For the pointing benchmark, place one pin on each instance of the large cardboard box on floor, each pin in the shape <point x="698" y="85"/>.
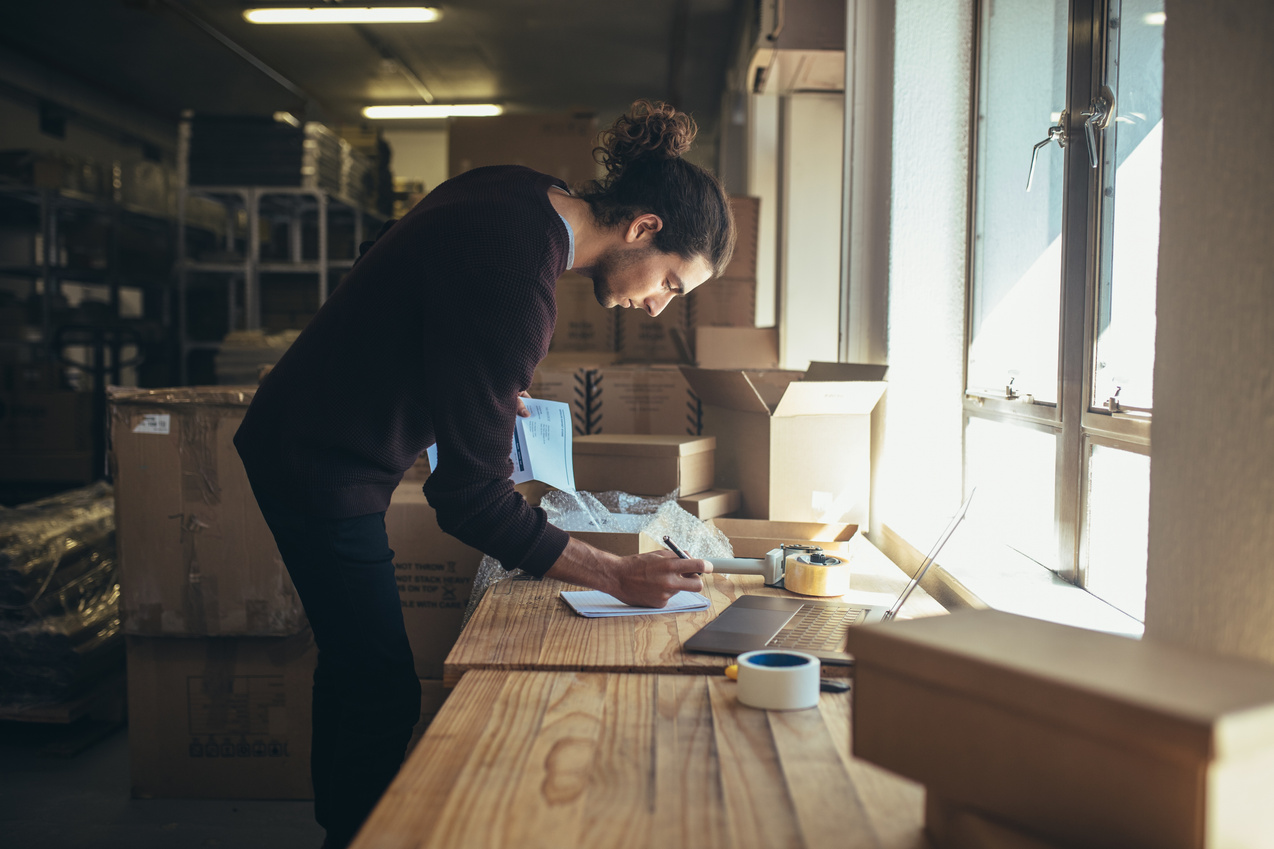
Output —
<point x="229" y="717"/>
<point x="607" y="398"/>
<point x="798" y="450"/>
<point x="435" y="573"/>
<point x="1078" y="737"/>
<point x="196" y="556"/>
<point x="560" y="144"/>
<point x="220" y="717"/>
<point x="644" y="464"/>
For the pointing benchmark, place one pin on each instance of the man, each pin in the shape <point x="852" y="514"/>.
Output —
<point x="432" y="337"/>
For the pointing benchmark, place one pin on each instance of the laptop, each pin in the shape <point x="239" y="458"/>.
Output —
<point x="819" y="628"/>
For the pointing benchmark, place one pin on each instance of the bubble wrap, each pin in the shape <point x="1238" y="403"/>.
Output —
<point x="615" y="512"/>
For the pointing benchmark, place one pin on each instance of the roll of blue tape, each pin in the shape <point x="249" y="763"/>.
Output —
<point x="778" y="679"/>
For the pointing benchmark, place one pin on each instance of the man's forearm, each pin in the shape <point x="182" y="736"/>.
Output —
<point x="582" y="564"/>
<point x="642" y="580"/>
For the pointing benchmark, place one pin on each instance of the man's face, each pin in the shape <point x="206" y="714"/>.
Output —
<point x="641" y="277"/>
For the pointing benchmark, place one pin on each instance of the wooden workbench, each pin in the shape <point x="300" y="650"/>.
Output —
<point x="523" y="624"/>
<point x="569" y="759"/>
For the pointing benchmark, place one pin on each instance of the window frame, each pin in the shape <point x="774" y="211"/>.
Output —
<point x="1074" y="419"/>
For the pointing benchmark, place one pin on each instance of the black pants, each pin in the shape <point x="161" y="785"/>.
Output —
<point x="366" y="694"/>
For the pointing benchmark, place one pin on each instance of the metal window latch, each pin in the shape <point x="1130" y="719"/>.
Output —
<point x="1098" y="116"/>
<point x="1055" y="133"/>
<point x="1009" y="392"/>
<point x="1112" y="403"/>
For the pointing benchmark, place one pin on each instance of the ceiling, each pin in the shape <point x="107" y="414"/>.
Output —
<point x="165" y="56"/>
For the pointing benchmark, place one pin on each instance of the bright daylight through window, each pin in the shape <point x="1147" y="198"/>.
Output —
<point x="1060" y="353"/>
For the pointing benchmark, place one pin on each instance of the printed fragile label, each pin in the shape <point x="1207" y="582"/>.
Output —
<point x="154" y="423"/>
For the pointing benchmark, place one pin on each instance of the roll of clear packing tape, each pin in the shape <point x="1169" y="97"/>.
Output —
<point x="778" y="679"/>
<point x="804" y="574"/>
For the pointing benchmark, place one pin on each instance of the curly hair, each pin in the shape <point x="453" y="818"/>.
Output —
<point x="645" y="172"/>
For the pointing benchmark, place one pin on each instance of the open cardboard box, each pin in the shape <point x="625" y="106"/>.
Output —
<point x="799" y="449"/>
<point x="757" y="537"/>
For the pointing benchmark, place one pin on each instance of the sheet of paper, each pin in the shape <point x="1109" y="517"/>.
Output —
<point x="541" y="447"/>
<point x="596" y="604"/>
<point x="542" y="444"/>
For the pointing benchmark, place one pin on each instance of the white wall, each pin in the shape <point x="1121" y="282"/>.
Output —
<point x="920" y="467"/>
<point x="809" y="279"/>
<point x="868" y="150"/>
<point x="763" y="182"/>
<point x="1210" y="583"/>
<point x="419" y="154"/>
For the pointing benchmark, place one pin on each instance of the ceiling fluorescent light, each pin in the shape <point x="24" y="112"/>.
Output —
<point x="434" y="110"/>
<point x="343" y="15"/>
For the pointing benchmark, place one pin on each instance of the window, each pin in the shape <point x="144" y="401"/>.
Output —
<point x="1063" y="264"/>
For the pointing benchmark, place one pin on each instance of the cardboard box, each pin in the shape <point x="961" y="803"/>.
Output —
<point x="196" y="556"/>
<point x="220" y="717"/>
<point x="710" y="503"/>
<point x="619" y="543"/>
<point x="560" y="144"/>
<point x="582" y="323"/>
<point x="46" y="420"/>
<point x="621" y="399"/>
<point x="644" y="464"/>
<point x="435" y="573"/>
<point x="798" y="450"/>
<point x="1079" y="737"/>
<point x="747" y="216"/>
<point x="640" y="337"/>
<point x="737" y="347"/>
<point x="729" y="302"/>
<point x="756" y="538"/>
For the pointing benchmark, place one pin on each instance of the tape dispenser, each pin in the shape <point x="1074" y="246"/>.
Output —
<point x="804" y="569"/>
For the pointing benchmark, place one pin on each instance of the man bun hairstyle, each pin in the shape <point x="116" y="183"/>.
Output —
<point x="645" y="172"/>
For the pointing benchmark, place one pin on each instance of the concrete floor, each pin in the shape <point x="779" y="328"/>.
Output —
<point x="83" y="803"/>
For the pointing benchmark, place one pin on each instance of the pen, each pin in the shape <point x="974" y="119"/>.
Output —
<point x="677" y="551"/>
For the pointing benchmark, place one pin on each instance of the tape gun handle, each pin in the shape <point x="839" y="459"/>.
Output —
<point x="770" y="567"/>
<point x="738" y="565"/>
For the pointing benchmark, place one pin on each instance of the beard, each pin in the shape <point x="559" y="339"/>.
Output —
<point x="609" y="265"/>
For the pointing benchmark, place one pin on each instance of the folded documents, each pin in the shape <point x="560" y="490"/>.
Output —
<point x="597" y="604"/>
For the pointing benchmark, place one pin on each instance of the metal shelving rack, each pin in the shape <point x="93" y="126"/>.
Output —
<point x="246" y="209"/>
<point x="107" y="335"/>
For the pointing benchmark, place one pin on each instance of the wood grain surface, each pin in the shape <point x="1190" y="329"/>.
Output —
<point x="525" y="625"/>
<point x="571" y="759"/>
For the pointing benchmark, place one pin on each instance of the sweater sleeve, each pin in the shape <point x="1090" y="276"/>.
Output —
<point x="481" y="366"/>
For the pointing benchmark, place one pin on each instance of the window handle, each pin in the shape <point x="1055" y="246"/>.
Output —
<point x="1097" y="117"/>
<point x="1056" y="132"/>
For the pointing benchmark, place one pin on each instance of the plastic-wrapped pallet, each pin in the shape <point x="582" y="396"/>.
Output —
<point x="618" y="512"/>
<point x="59" y="596"/>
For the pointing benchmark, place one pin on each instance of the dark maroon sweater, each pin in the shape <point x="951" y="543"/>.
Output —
<point x="429" y="338"/>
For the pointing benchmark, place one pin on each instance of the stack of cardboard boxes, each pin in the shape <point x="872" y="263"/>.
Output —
<point x="220" y="656"/>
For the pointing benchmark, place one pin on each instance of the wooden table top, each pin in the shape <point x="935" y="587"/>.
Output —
<point x="571" y="759"/>
<point x="525" y="625"/>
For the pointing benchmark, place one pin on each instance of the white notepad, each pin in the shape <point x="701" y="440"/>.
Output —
<point x="597" y="604"/>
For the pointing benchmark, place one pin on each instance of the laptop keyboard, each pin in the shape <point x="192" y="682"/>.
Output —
<point x="821" y="627"/>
